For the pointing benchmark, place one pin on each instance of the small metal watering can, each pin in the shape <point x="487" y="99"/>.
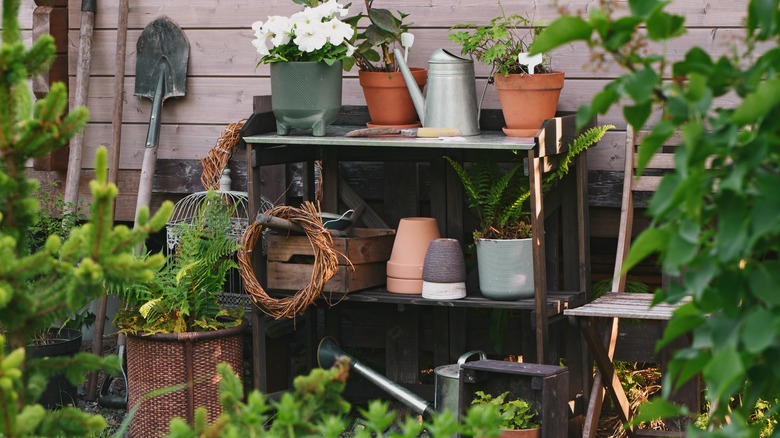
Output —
<point x="447" y="383"/>
<point x="451" y="100"/>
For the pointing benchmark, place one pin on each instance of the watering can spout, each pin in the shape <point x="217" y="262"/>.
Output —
<point x="414" y="91"/>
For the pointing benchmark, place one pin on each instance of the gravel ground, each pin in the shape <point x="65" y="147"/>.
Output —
<point x="114" y="416"/>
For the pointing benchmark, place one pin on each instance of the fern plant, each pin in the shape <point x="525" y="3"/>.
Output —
<point x="183" y="296"/>
<point x="499" y="195"/>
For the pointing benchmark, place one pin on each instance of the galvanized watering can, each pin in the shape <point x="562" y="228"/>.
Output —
<point x="451" y="100"/>
<point x="447" y="383"/>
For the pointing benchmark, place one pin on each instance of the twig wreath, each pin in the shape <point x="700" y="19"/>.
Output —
<point x="325" y="262"/>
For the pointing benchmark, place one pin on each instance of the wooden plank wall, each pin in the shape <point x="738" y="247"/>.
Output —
<point x="222" y="77"/>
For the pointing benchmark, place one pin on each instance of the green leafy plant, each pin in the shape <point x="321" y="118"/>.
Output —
<point x="315" y="407"/>
<point x="384" y="31"/>
<point x="183" y="295"/>
<point x="498" y="196"/>
<point x="515" y="414"/>
<point x="497" y="44"/>
<point x="43" y="285"/>
<point x="715" y="217"/>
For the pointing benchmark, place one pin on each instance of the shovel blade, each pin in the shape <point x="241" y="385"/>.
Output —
<point x="161" y="42"/>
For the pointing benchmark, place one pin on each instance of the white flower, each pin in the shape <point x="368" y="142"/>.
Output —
<point x="338" y="31"/>
<point x="311" y="37"/>
<point x="306" y="17"/>
<point x="279" y="29"/>
<point x="261" y="47"/>
<point x="350" y="48"/>
<point x="331" y="9"/>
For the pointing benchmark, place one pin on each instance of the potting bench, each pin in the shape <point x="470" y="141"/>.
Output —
<point x="561" y="252"/>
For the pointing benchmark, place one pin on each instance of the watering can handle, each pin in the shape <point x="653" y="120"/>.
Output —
<point x="465" y="356"/>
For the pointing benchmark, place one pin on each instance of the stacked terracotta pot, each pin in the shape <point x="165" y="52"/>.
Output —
<point x="405" y="267"/>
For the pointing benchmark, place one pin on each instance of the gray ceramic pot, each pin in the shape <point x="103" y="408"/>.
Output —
<point x="305" y="95"/>
<point x="506" y="268"/>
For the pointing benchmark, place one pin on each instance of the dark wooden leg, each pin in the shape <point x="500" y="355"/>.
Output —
<point x="259" y="368"/>
<point x="608" y="375"/>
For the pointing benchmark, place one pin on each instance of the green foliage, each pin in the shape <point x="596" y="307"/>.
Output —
<point x="315" y="407"/>
<point x="182" y="297"/>
<point x="515" y="414"/>
<point x="498" y="196"/>
<point x="716" y="217"/>
<point x="498" y="43"/>
<point x="384" y="31"/>
<point x="43" y="284"/>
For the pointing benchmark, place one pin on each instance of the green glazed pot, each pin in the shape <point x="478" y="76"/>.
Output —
<point x="506" y="268"/>
<point x="305" y="95"/>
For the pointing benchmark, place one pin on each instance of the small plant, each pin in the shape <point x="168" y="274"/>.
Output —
<point x="315" y="407"/>
<point x="183" y="295"/>
<point x="515" y="414"/>
<point x="384" y="31"/>
<point x="499" y="196"/>
<point x="498" y="43"/>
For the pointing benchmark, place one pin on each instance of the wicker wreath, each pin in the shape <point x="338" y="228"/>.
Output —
<point x="219" y="155"/>
<point x="325" y="262"/>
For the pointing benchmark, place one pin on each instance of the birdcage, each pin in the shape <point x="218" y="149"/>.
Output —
<point x="216" y="175"/>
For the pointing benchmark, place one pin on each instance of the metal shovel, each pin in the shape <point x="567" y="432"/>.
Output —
<point x="161" y="72"/>
<point x="162" y="53"/>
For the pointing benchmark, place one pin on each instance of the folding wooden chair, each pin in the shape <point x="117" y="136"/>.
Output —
<point x="618" y="304"/>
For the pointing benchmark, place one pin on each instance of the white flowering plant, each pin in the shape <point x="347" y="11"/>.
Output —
<point x="315" y="34"/>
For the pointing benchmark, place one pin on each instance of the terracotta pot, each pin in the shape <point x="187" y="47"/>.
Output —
<point x="528" y="100"/>
<point x="387" y="97"/>
<point x="412" y="238"/>
<point x="522" y="433"/>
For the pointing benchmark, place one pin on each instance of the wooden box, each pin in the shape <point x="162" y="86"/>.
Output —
<point x="290" y="260"/>
<point x="546" y="387"/>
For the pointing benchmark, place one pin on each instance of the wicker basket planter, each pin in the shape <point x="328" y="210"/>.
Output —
<point x="164" y="360"/>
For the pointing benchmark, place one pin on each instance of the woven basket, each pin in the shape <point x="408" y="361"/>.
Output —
<point x="163" y="360"/>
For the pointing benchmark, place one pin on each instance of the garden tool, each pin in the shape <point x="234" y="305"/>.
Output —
<point x="113" y="172"/>
<point x="105" y="398"/>
<point x="328" y="353"/>
<point x="405" y="132"/>
<point x="160" y="72"/>
<point x="81" y="93"/>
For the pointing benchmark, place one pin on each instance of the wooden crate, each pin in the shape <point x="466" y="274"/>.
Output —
<point x="290" y="260"/>
<point x="544" y="386"/>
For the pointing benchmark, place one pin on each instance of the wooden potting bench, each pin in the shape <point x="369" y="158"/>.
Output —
<point x="559" y="219"/>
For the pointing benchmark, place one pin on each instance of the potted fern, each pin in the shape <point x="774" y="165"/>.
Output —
<point x="176" y="330"/>
<point x="503" y="239"/>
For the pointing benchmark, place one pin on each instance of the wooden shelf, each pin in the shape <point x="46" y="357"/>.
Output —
<point x="566" y="264"/>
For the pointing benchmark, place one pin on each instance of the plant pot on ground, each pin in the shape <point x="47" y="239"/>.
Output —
<point x="518" y="417"/>
<point x="528" y="96"/>
<point x="386" y="93"/>
<point x="499" y="195"/>
<point x="177" y="331"/>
